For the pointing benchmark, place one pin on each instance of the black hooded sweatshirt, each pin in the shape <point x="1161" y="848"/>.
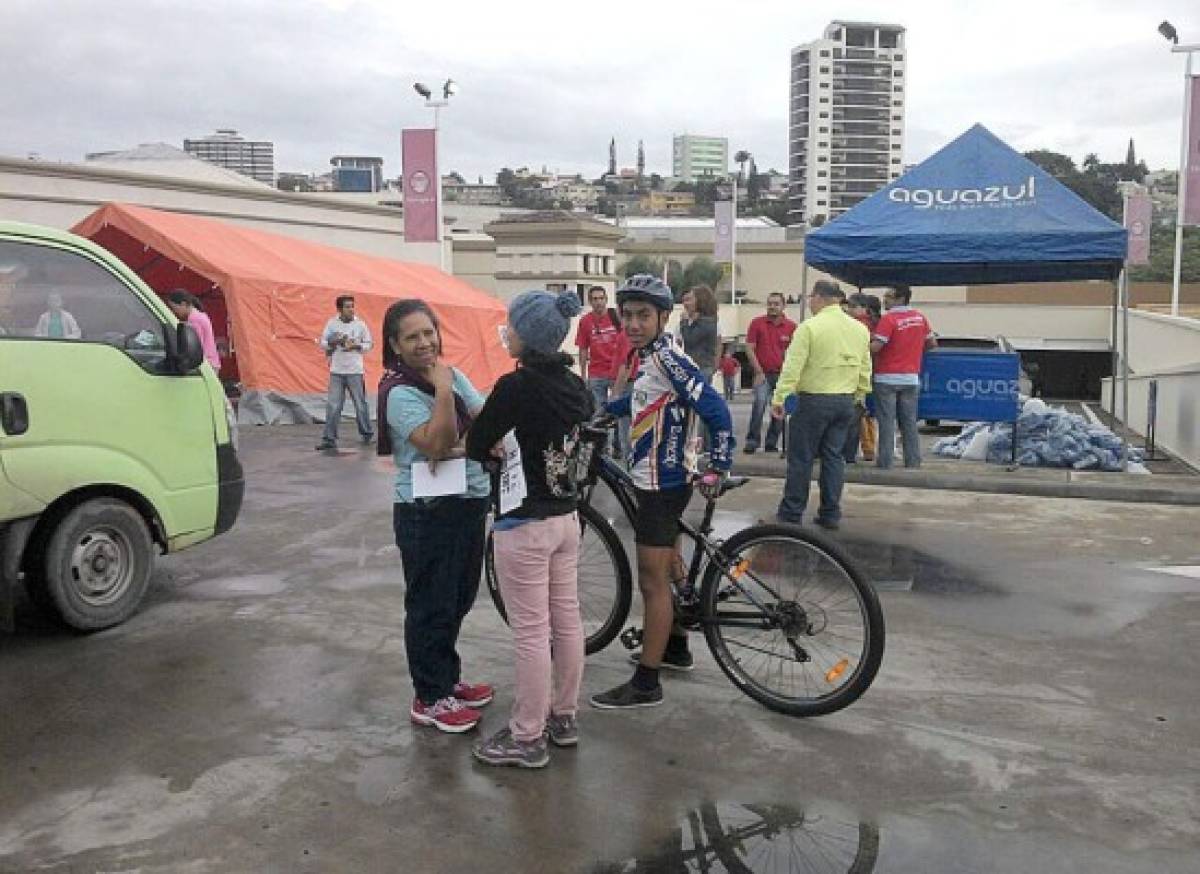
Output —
<point x="545" y="403"/>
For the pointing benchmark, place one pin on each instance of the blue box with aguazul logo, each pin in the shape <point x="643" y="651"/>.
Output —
<point x="970" y="385"/>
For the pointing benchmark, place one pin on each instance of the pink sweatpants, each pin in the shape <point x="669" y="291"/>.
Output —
<point x="537" y="564"/>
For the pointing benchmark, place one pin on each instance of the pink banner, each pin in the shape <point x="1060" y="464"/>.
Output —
<point x="1138" y="214"/>
<point x="725" y="229"/>
<point x="418" y="147"/>
<point x="1191" y="164"/>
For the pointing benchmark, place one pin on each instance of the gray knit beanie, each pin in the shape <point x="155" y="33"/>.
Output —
<point x="542" y="319"/>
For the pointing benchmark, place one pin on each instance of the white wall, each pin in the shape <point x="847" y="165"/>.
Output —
<point x="59" y="195"/>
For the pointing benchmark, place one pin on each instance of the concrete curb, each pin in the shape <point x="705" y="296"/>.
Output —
<point x="1031" y="482"/>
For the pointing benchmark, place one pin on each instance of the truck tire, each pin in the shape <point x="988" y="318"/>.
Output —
<point x="97" y="564"/>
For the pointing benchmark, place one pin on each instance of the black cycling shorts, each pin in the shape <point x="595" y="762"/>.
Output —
<point x="658" y="515"/>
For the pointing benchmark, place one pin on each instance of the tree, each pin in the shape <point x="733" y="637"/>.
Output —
<point x="566" y="204"/>
<point x="1056" y="164"/>
<point x="456" y="177"/>
<point x="641" y="264"/>
<point x="1162" y="256"/>
<point x="702" y="271"/>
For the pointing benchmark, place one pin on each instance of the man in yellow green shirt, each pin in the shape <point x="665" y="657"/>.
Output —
<point x="828" y="369"/>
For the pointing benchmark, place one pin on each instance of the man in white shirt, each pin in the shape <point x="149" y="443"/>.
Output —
<point x="344" y="340"/>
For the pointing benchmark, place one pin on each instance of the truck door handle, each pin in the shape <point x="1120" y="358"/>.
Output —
<point x="14" y="413"/>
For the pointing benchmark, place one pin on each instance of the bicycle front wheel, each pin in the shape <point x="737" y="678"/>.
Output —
<point x="791" y="620"/>
<point x="605" y="580"/>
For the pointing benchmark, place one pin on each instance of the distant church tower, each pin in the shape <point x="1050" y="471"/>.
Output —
<point x="641" y="161"/>
<point x="612" y="157"/>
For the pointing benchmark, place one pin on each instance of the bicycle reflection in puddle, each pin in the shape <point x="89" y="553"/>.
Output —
<point x="729" y="838"/>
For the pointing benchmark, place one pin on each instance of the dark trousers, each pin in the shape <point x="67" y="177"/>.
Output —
<point x="816" y="430"/>
<point x="441" y="546"/>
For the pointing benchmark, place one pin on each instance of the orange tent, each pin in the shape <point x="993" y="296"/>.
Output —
<point x="269" y="297"/>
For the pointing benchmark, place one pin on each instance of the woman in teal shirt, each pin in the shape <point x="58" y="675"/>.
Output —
<point x="425" y="408"/>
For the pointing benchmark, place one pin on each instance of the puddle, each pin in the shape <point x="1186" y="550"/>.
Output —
<point x="249" y="586"/>
<point x="825" y="838"/>
<point x="897" y="567"/>
<point x="730" y="838"/>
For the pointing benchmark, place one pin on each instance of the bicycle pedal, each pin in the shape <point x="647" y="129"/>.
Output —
<point x="631" y="638"/>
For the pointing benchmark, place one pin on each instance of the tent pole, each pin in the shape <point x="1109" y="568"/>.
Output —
<point x="1112" y="390"/>
<point x="1125" y="366"/>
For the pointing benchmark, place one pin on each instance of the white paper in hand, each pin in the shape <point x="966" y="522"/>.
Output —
<point x="512" y="476"/>
<point x="449" y="477"/>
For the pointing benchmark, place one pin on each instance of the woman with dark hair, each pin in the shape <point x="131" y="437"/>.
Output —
<point x="536" y="540"/>
<point x="186" y="307"/>
<point x="863" y="430"/>
<point x="698" y="329"/>
<point x="425" y="408"/>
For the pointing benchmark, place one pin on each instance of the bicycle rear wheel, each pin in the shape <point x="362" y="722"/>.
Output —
<point x="791" y="620"/>
<point x="605" y="580"/>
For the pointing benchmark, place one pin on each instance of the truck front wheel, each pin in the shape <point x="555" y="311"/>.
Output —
<point x="97" y="564"/>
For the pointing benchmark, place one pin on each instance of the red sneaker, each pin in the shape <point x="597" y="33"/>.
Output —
<point x="449" y="715"/>
<point x="473" y="694"/>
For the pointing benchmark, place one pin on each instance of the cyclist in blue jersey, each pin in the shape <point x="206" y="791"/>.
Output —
<point x="669" y="394"/>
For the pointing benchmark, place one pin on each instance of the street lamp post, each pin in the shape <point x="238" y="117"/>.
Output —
<point x="740" y="158"/>
<point x="449" y="89"/>
<point x="1168" y="32"/>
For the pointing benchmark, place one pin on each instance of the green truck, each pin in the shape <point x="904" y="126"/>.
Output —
<point x="116" y="438"/>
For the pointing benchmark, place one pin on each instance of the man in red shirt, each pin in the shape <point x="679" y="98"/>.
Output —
<point x="602" y="347"/>
<point x="898" y="343"/>
<point x="767" y="340"/>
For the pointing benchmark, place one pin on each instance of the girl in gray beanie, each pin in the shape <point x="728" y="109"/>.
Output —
<point x="536" y="543"/>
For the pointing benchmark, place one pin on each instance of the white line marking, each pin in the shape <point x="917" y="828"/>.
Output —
<point x="1181" y="570"/>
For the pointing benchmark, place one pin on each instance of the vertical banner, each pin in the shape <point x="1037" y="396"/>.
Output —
<point x="723" y="241"/>
<point x="1191" y="163"/>
<point x="418" y="147"/>
<point x="1138" y="214"/>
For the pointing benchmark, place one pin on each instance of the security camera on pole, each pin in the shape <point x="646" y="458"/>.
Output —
<point x="422" y="171"/>
<point x="1188" y="188"/>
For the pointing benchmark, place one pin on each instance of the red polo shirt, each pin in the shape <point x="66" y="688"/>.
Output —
<point x="600" y="338"/>
<point x="903" y="331"/>
<point x="770" y="341"/>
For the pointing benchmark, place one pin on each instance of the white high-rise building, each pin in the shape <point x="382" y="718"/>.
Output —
<point x="846" y="128"/>
<point x="694" y="157"/>
<point x="253" y="158"/>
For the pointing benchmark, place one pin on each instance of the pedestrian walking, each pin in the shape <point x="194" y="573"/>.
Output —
<point x="425" y="409"/>
<point x="345" y="339"/>
<point x="542" y="405"/>
<point x="767" y="341"/>
<point x="668" y="396"/>
<point x="828" y="368"/>
<point x="186" y="307"/>
<point x="898" y="343"/>
<point x="698" y="329"/>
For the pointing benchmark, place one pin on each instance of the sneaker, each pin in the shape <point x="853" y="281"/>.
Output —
<point x="448" y="714"/>
<point x="473" y="694"/>
<point x="504" y="749"/>
<point x="326" y="444"/>
<point x="671" y="661"/>
<point x="749" y="450"/>
<point x="626" y="696"/>
<point x="562" y="730"/>
<point x="771" y="449"/>
<point x="828" y="524"/>
<point x="368" y="439"/>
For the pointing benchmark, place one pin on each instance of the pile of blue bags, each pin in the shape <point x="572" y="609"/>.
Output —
<point x="1046" y="437"/>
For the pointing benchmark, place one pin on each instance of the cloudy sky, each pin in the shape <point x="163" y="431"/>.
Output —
<point x="548" y="83"/>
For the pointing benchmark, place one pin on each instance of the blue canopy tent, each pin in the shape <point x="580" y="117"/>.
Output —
<point x="976" y="212"/>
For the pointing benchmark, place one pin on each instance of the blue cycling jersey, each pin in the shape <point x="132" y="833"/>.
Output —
<point x="668" y="394"/>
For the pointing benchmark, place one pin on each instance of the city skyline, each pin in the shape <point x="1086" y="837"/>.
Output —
<point x="1113" y="78"/>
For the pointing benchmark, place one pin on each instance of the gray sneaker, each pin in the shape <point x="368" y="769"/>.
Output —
<point x="504" y="749"/>
<point x="563" y="730"/>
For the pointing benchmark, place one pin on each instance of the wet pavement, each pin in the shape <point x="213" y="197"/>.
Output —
<point x="1035" y="711"/>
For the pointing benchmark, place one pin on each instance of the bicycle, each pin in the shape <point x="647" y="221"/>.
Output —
<point x="778" y="605"/>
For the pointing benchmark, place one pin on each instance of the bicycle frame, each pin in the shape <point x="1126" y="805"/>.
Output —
<point x="706" y="549"/>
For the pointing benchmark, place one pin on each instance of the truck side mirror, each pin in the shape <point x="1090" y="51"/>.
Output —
<point x="184" y="352"/>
